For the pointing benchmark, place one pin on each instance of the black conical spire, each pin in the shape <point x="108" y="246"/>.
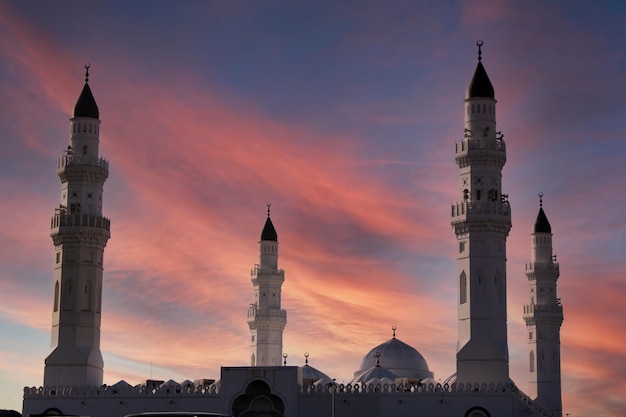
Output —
<point x="480" y="86"/>
<point x="269" y="233"/>
<point x="86" y="105"/>
<point x="542" y="225"/>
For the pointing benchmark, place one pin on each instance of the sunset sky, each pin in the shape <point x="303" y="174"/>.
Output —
<point x="344" y="115"/>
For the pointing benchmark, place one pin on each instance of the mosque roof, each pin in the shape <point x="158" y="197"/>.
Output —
<point x="86" y="105"/>
<point x="397" y="357"/>
<point x="480" y="85"/>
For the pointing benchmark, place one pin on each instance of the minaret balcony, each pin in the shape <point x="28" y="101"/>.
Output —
<point x="544" y="312"/>
<point x="254" y="312"/>
<point x="61" y="221"/>
<point x="480" y="151"/>
<point x="257" y="270"/>
<point x="536" y="266"/>
<point x="82" y="168"/>
<point x="495" y="212"/>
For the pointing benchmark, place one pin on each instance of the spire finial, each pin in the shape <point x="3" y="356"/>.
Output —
<point x="268" y="209"/>
<point x="540" y="200"/>
<point x="479" y="43"/>
<point x="394" y="331"/>
<point x="306" y="358"/>
<point x="87" y="65"/>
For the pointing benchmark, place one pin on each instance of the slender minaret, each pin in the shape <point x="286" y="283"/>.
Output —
<point x="543" y="317"/>
<point x="266" y="319"/>
<point x="481" y="222"/>
<point x="80" y="233"/>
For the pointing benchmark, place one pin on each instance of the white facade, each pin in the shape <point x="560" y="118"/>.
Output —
<point x="394" y="379"/>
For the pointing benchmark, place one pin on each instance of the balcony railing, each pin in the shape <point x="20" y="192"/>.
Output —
<point x="542" y="265"/>
<point x="68" y="160"/>
<point x="80" y="220"/>
<point x="481" y="208"/>
<point x="479" y="144"/>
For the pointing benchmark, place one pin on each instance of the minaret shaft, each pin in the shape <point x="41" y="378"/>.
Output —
<point x="266" y="318"/>
<point x="481" y="221"/>
<point x="79" y="233"/>
<point x="543" y="317"/>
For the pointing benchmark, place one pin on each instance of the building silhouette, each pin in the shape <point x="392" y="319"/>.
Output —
<point x="393" y="380"/>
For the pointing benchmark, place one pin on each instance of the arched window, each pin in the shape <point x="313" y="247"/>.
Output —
<point x="463" y="288"/>
<point x="56" y="296"/>
<point x="531" y="360"/>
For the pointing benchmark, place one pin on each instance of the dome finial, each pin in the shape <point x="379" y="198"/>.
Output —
<point x="479" y="43"/>
<point x="377" y="359"/>
<point x="306" y="358"/>
<point x="540" y="200"/>
<point x="285" y="359"/>
<point x="87" y="65"/>
<point x="394" y="331"/>
<point x="268" y="209"/>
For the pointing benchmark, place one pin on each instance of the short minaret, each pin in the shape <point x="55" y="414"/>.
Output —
<point x="481" y="222"/>
<point x="266" y="319"/>
<point x="80" y="234"/>
<point x="543" y="317"/>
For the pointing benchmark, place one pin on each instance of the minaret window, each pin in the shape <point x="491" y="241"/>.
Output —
<point x="56" y="296"/>
<point x="531" y="358"/>
<point x="463" y="289"/>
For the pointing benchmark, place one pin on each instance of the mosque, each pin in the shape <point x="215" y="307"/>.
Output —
<point x="393" y="380"/>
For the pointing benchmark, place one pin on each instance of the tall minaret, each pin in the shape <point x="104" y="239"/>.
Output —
<point x="80" y="233"/>
<point x="266" y="319"/>
<point x="543" y="317"/>
<point x="481" y="222"/>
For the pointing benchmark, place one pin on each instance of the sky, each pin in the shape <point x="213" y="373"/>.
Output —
<point x="344" y="116"/>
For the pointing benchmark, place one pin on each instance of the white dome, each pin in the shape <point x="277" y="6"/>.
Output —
<point x="399" y="358"/>
<point x="312" y="375"/>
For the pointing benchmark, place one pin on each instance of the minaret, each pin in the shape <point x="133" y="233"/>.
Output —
<point x="266" y="319"/>
<point x="80" y="233"/>
<point x="543" y="317"/>
<point x="481" y="222"/>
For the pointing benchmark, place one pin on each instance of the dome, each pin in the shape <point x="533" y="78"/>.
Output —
<point x="311" y="375"/>
<point x="397" y="357"/>
<point x="374" y="375"/>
